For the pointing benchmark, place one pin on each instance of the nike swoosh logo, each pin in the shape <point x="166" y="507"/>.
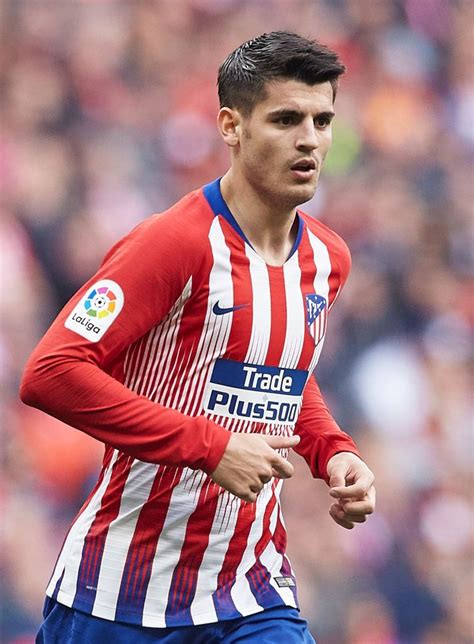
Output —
<point x="217" y="310"/>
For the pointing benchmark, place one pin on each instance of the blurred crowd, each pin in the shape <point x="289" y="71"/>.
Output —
<point x="108" y="115"/>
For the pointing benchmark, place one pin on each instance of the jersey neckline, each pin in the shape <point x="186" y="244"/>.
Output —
<point x="213" y="194"/>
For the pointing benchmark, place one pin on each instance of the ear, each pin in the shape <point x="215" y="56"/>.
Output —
<point x="229" y="124"/>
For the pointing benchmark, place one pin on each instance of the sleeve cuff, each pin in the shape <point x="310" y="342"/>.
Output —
<point x="336" y="448"/>
<point x="220" y="438"/>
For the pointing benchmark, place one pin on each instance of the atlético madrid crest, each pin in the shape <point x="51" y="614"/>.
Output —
<point x="316" y="316"/>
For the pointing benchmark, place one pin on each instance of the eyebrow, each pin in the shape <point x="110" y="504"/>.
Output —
<point x="289" y="111"/>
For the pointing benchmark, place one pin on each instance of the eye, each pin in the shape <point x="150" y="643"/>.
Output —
<point x="285" y="119"/>
<point x="322" y="122"/>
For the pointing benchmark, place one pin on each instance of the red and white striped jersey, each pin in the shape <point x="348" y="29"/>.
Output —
<point x="184" y="335"/>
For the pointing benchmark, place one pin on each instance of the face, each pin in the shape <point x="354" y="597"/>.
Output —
<point x="282" y="144"/>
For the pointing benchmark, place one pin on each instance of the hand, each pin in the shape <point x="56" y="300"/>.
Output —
<point x="250" y="461"/>
<point x="352" y="484"/>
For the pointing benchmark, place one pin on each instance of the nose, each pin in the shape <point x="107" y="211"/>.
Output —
<point x="307" y="139"/>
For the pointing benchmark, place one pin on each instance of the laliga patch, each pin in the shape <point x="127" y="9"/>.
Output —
<point x="93" y="315"/>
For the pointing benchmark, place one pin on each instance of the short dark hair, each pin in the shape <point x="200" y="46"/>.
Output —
<point x="276" y="55"/>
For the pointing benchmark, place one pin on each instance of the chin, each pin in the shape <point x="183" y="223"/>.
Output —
<point x="291" y="196"/>
<point x="301" y="194"/>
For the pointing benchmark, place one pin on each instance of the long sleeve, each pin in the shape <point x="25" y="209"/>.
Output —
<point x="76" y="371"/>
<point x="321" y="437"/>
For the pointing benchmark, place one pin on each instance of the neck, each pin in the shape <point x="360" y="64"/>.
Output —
<point x="270" y="229"/>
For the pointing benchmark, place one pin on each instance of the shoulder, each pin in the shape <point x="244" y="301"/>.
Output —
<point x="177" y="231"/>
<point x="338" y="250"/>
<point x="329" y="237"/>
<point x="183" y="221"/>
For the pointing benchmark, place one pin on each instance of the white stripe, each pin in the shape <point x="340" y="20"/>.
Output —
<point x="222" y="531"/>
<point x="295" y="314"/>
<point x="261" y="322"/>
<point x="119" y="536"/>
<point x="215" y="333"/>
<point x="71" y="554"/>
<point x="241" y="593"/>
<point x="183" y="502"/>
<point x="321" y="282"/>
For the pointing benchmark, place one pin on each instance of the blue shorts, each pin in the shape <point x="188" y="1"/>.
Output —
<point x="63" y="625"/>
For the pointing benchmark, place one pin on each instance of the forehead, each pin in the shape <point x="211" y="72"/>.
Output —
<point x="292" y="94"/>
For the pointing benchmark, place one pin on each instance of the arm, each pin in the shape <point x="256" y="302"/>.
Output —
<point x="321" y="437"/>
<point x="332" y="455"/>
<point x="69" y="373"/>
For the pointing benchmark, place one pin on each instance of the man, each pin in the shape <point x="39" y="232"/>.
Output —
<point x="190" y="355"/>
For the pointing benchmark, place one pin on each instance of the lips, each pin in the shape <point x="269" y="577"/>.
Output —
<point x="304" y="170"/>
<point x="304" y="165"/>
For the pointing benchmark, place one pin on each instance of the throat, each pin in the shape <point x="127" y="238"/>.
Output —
<point x="273" y="251"/>
<point x="271" y="233"/>
<point x="270" y="237"/>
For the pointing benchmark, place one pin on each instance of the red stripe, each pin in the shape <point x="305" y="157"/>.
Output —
<point x="334" y="281"/>
<point x="241" y="328"/>
<point x="278" y="315"/>
<point x="280" y="537"/>
<point x="308" y="274"/>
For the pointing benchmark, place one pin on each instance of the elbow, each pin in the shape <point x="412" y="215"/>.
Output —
<point x="28" y="390"/>
<point x="34" y="386"/>
<point x="46" y="380"/>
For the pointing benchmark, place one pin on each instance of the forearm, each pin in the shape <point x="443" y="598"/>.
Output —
<point x="82" y="395"/>
<point x="321" y="437"/>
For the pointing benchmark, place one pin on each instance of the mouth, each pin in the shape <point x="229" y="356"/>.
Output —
<point x="304" y="169"/>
